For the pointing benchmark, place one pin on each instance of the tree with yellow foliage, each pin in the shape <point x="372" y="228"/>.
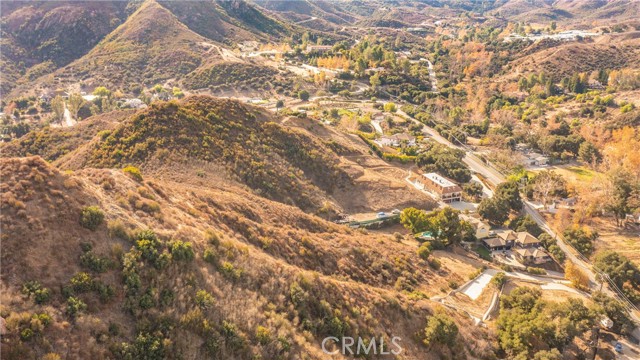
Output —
<point x="578" y="278"/>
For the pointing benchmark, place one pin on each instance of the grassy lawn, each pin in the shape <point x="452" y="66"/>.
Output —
<point x="581" y="173"/>
<point x="483" y="252"/>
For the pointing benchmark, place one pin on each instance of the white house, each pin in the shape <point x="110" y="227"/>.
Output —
<point x="397" y="140"/>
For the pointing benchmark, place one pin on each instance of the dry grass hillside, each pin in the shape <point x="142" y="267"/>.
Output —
<point x="217" y="273"/>
<point x="155" y="43"/>
<point x="207" y="141"/>
<point x="563" y="59"/>
<point x="38" y="37"/>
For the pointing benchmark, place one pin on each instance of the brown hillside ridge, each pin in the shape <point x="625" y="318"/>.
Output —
<point x="564" y="59"/>
<point x="217" y="272"/>
<point x="217" y="143"/>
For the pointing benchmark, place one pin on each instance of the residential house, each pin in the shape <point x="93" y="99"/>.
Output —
<point x="496" y="244"/>
<point x="447" y="190"/>
<point x="526" y="240"/>
<point x="532" y="256"/>
<point x="397" y="140"/>
<point x="535" y="159"/>
<point x="509" y="236"/>
<point x="319" y="48"/>
<point x="482" y="228"/>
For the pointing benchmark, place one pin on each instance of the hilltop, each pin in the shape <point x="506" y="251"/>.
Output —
<point x="39" y="37"/>
<point x="153" y="42"/>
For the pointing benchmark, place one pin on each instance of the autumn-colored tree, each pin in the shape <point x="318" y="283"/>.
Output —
<point x="101" y="91"/>
<point x="577" y="277"/>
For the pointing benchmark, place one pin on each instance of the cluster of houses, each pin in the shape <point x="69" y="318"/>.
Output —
<point x="526" y="247"/>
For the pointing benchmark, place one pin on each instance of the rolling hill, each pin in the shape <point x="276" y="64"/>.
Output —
<point x="200" y="265"/>
<point x="202" y="140"/>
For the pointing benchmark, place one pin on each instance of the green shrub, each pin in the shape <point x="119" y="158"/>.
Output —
<point x="435" y="264"/>
<point x="95" y="263"/>
<point x="263" y="335"/>
<point x="75" y="306"/>
<point x="536" y="270"/>
<point x="26" y="334"/>
<point x="134" y="172"/>
<point x="424" y="250"/>
<point x="210" y="255"/>
<point x="33" y="288"/>
<point x="91" y="217"/>
<point x="81" y="282"/>
<point x="229" y="271"/>
<point x="499" y="279"/>
<point x="182" y="251"/>
<point x="440" y="329"/>
<point x="204" y="299"/>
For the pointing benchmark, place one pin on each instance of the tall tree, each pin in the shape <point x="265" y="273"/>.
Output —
<point x="57" y="106"/>
<point x="74" y="104"/>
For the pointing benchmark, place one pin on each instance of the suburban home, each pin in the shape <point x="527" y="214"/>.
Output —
<point x="535" y="159"/>
<point x="482" y="228"/>
<point x="447" y="190"/>
<point x="496" y="244"/>
<point x="526" y="240"/>
<point x="319" y="48"/>
<point x="532" y="256"/>
<point x="397" y="140"/>
<point x="509" y="237"/>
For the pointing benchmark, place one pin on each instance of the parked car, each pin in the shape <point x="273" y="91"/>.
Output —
<point x="395" y="211"/>
<point x="382" y="214"/>
<point x="618" y="347"/>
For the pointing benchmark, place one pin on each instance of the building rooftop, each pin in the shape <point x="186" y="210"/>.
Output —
<point x="442" y="181"/>
<point x="526" y="238"/>
<point x="535" y="253"/>
<point x="508" y="235"/>
<point x="494" y="242"/>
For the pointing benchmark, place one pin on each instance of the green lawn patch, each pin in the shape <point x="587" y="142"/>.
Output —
<point x="483" y="252"/>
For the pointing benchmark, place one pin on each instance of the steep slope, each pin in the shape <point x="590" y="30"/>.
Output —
<point x="38" y="37"/>
<point x="256" y="278"/>
<point x="608" y="52"/>
<point x="150" y="47"/>
<point x="226" y="22"/>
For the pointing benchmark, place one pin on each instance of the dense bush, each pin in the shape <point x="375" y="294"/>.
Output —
<point x="441" y="329"/>
<point x="581" y="239"/>
<point x="133" y="171"/>
<point x="40" y="294"/>
<point x="424" y="250"/>
<point x="182" y="251"/>
<point x="91" y="217"/>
